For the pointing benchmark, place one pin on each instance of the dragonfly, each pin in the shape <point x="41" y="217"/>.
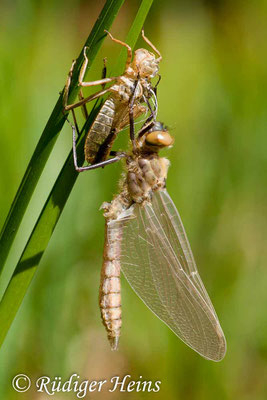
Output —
<point x="145" y="238"/>
<point x="123" y="105"/>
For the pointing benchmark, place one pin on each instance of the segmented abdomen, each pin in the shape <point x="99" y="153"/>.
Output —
<point x="110" y="285"/>
<point x="99" y="130"/>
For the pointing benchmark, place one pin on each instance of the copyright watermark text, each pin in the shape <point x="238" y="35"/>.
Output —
<point x="45" y="384"/>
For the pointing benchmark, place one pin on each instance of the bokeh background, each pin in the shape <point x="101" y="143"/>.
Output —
<point x="213" y="97"/>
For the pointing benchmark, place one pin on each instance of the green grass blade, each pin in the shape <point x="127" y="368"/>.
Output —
<point x="50" y="134"/>
<point x="50" y="214"/>
<point x="136" y="28"/>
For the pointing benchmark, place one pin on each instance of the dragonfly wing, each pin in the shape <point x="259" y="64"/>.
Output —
<point x="158" y="263"/>
<point x="171" y="222"/>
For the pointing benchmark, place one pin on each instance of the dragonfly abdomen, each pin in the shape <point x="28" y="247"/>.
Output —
<point x="110" y="286"/>
<point x="99" y="130"/>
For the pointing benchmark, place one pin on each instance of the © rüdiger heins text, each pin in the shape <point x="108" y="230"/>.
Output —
<point x="81" y="388"/>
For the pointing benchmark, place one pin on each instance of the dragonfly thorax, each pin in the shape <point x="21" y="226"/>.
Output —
<point x="146" y="175"/>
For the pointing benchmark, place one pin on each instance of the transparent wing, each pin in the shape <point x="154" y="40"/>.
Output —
<point x="158" y="263"/>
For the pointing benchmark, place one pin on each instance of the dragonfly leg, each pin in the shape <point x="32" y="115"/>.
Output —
<point x="83" y="70"/>
<point x="131" y="116"/>
<point x="149" y="121"/>
<point x="67" y="106"/>
<point x="99" y="82"/>
<point x="129" y="49"/>
<point x="145" y="128"/>
<point x="86" y="99"/>
<point x="83" y="106"/>
<point x="104" y="71"/>
<point x="67" y="85"/>
<point x="155" y="88"/>
<point x="81" y="96"/>
<point x="151" y="45"/>
<point x="101" y="164"/>
<point x="117" y="155"/>
<point x="152" y="116"/>
<point x="81" y="83"/>
<point x="153" y="113"/>
<point x="75" y="130"/>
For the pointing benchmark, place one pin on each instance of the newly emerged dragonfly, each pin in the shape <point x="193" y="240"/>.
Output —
<point x="145" y="237"/>
<point x="123" y="105"/>
<point x="144" y="234"/>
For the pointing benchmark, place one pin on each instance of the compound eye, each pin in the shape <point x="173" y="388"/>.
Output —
<point x="159" y="138"/>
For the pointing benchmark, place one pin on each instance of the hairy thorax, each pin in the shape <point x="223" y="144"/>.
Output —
<point x="146" y="175"/>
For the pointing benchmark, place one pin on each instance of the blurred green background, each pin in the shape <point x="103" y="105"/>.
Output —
<point x="213" y="97"/>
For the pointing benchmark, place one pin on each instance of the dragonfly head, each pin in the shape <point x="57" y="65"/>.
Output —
<point x="158" y="137"/>
<point x="145" y="64"/>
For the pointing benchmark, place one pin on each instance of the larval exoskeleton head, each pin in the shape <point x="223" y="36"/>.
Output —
<point x="145" y="64"/>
